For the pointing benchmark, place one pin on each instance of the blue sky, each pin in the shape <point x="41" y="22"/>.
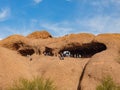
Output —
<point x="59" y="17"/>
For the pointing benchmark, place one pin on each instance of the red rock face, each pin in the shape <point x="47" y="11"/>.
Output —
<point x="39" y="35"/>
<point x="91" y="59"/>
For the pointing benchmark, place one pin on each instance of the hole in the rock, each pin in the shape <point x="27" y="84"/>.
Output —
<point x="25" y="52"/>
<point x="84" y="51"/>
<point x="48" y="51"/>
<point x="17" y="45"/>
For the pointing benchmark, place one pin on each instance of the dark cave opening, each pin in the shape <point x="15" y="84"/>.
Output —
<point x="25" y="52"/>
<point x="48" y="51"/>
<point x="85" y="50"/>
<point x="17" y="45"/>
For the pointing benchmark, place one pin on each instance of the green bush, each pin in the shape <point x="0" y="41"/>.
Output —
<point x="108" y="84"/>
<point x="35" y="84"/>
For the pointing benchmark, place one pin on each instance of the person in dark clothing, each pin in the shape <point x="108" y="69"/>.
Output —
<point x="61" y="56"/>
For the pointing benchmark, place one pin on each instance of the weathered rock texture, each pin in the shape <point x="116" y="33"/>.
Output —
<point x="100" y="56"/>
<point x="39" y="34"/>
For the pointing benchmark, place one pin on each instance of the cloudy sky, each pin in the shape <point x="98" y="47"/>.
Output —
<point x="59" y="17"/>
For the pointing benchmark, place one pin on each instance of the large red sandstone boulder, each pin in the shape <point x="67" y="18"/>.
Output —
<point x="103" y="64"/>
<point x="14" y="42"/>
<point x="12" y="67"/>
<point x="39" y="35"/>
<point x="67" y="74"/>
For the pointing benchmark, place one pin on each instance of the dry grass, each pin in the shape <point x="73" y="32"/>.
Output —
<point x="35" y="84"/>
<point x="108" y="84"/>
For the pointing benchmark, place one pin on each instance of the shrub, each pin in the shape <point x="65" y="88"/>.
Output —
<point x="35" y="84"/>
<point x="108" y="84"/>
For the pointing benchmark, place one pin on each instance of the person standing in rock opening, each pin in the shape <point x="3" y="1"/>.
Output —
<point x="61" y="56"/>
<point x="66" y="53"/>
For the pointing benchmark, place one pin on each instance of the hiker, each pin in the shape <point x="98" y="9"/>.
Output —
<point x="66" y="53"/>
<point x="61" y="57"/>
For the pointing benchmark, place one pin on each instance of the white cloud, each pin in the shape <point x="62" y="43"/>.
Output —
<point x="8" y="30"/>
<point x="104" y="3"/>
<point x="38" y="1"/>
<point x="95" y="25"/>
<point x="102" y="24"/>
<point x="103" y="18"/>
<point x="4" y="13"/>
<point x="101" y="5"/>
<point x="58" y="29"/>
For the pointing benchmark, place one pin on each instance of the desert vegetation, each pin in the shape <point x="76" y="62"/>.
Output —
<point x="37" y="83"/>
<point x="108" y="84"/>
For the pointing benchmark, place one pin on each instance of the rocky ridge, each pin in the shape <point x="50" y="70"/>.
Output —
<point x="100" y="56"/>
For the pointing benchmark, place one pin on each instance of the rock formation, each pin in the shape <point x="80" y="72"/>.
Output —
<point x="39" y="34"/>
<point x="99" y="57"/>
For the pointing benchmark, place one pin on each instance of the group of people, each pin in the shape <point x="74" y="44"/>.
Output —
<point x="68" y="54"/>
<point x="62" y="54"/>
